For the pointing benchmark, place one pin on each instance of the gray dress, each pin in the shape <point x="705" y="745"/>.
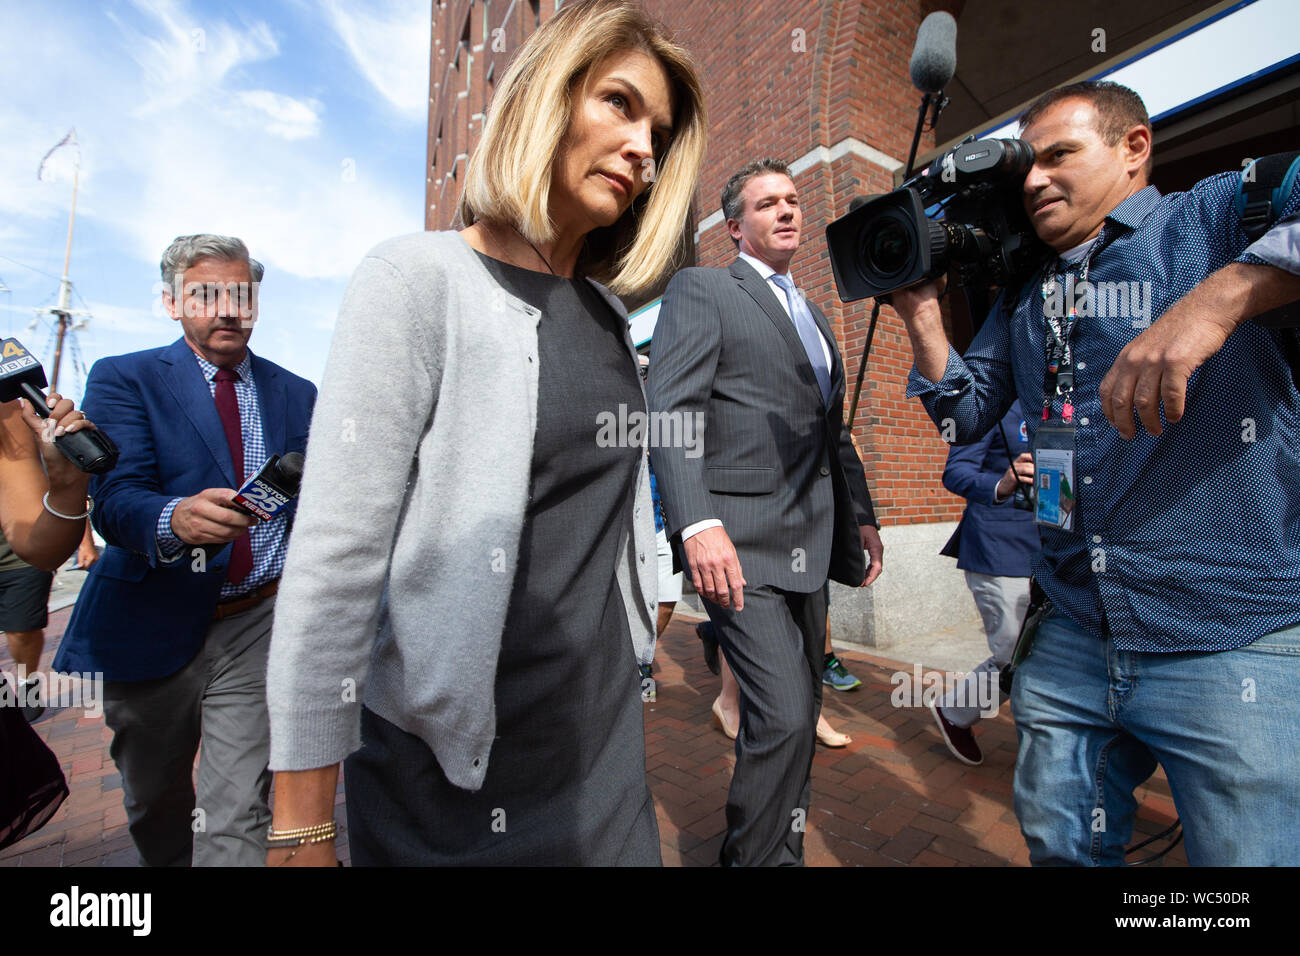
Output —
<point x="566" y="777"/>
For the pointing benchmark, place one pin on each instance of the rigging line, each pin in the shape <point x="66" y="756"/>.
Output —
<point x="33" y="268"/>
<point x="77" y="292"/>
<point x="78" y="366"/>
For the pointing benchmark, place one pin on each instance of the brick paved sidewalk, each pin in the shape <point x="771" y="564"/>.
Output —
<point x="892" y="797"/>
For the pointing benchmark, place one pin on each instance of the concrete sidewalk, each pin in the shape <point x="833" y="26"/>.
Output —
<point x="893" y="797"/>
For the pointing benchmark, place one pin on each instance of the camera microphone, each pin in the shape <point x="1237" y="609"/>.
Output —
<point x="934" y="58"/>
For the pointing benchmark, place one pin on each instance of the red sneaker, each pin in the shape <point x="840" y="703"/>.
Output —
<point x="960" y="741"/>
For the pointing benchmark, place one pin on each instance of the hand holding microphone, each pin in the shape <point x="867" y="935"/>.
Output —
<point x="208" y="518"/>
<point x="89" y="449"/>
<point x="217" y="516"/>
<point x="63" y="419"/>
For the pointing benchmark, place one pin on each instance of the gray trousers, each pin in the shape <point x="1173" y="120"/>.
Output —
<point x="219" y="696"/>
<point x="774" y="648"/>
<point x="1002" y="602"/>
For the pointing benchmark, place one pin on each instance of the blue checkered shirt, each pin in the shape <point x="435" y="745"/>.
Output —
<point x="267" y="538"/>
<point x="1185" y="542"/>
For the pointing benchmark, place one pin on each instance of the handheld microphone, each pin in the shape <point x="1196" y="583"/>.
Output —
<point x="271" y="488"/>
<point x="934" y="58"/>
<point x="21" y="376"/>
<point x="265" y="494"/>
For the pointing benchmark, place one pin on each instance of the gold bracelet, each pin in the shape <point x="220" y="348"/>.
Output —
<point x="320" y="833"/>
<point x="273" y="834"/>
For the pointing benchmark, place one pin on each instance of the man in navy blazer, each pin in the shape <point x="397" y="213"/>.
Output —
<point x="993" y="544"/>
<point x="177" y="612"/>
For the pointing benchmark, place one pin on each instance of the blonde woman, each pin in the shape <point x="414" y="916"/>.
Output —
<point x="471" y="583"/>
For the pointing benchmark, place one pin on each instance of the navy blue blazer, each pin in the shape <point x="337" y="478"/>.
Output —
<point x="991" y="539"/>
<point x="138" y="618"/>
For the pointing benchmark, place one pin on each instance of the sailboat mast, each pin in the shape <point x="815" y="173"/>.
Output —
<point x="65" y="285"/>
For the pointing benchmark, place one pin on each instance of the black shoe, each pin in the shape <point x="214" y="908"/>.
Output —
<point x="704" y="630"/>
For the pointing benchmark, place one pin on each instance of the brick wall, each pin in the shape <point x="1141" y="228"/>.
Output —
<point x="823" y="82"/>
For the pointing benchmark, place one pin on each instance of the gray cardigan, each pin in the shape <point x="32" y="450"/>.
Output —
<point x="403" y="552"/>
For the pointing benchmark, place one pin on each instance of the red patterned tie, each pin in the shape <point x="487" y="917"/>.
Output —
<point x="241" y="557"/>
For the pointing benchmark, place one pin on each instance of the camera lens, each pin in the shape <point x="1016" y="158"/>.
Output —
<point x="887" y="248"/>
<point x="967" y="243"/>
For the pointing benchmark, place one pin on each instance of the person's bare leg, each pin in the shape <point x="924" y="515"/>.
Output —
<point x="825" y="732"/>
<point x="25" y="648"/>
<point x="648" y="692"/>
<point x="729" y="703"/>
<point x="665" y="615"/>
<point x="729" y="699"/>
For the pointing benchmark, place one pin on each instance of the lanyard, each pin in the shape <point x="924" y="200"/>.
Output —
<point x="1059" y="376"/>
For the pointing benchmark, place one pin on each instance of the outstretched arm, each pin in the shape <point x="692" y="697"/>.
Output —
<point x="1155" y="366"/>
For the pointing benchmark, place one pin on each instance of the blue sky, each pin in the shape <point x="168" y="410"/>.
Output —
<point x="298" y="126"/>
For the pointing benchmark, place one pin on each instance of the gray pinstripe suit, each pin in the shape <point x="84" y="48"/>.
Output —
<point x="780" y="472"/>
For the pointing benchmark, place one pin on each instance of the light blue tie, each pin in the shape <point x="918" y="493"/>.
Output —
<point x="806" y="326"/>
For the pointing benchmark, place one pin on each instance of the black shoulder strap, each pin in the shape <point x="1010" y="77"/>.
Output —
<point x="1265" y="186"/>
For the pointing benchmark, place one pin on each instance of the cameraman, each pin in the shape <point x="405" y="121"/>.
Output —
<point x="1175" y="575"/>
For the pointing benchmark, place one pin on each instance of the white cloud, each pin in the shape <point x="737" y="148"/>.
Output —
<point x="114" y="318"/>
<point x="280" y="115"/>
<point x="300" y="214"/>
<point x="121" y="320"/>
<point x="25" y="310"/>
<point x="220" y="145"/>
<point x="189" y="54"/>
<point x="189" y="164"/>
<point x="388" y="41"/>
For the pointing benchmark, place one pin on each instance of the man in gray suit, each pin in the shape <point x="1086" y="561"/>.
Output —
<point x="776" y="503"/>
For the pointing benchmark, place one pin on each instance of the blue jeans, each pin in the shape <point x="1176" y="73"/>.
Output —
<point x="1093" y="722"/>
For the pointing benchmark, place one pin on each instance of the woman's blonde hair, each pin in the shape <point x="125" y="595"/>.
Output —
<point x="508" y="177"/>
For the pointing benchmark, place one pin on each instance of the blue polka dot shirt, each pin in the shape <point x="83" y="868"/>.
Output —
<point x="1189" y="541"/>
